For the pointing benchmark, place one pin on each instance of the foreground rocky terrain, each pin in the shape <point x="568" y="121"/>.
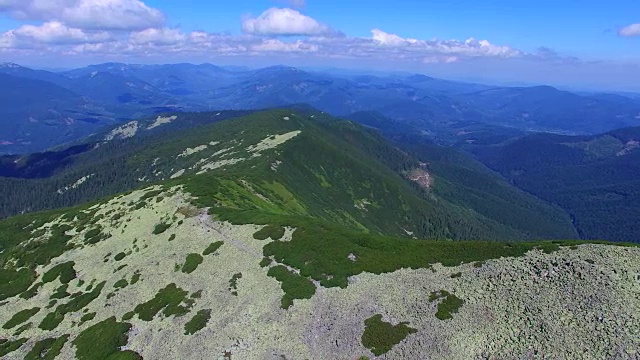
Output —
<point x="166" y="280"/>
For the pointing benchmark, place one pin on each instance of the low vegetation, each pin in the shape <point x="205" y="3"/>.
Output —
<point x="172" y="301"/>
<point x="293" y="285"/>
<point x="47" y="349"/>
<point x="20" y="317"/>
<point x="233" y="283"/>
<point x="198" y="322"/>
<point x="103" y="341"/>
<point x="160" y="228"/>
<point x="192" y="263"/>
<point x="9" y="346"/>
<point x="77" y="303"/>
<point x="64" y="271"/>
<point x="380" y="336"/>
<point x="270" y="231"/>
<point x="212" y="248"/>
<point x="448" y="305"/>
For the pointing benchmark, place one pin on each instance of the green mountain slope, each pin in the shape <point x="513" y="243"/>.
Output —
<point x="329" y="169"/>
<point x="290" y="235"/>
<point x="594" y="178"/>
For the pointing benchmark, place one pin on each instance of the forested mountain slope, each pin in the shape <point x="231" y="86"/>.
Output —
<point x="272" y="236"/>
<point x="336" y="170"/>
<point x="595" y="178"/>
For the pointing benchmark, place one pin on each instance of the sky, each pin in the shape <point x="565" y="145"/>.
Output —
<point x="587" y="44"/>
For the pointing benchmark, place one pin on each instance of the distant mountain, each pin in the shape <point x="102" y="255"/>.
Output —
<point x="441" y="108"/>
<point x="39" y="114"/>
<point x="594" y="178"/>
<point x="544" y="108"/>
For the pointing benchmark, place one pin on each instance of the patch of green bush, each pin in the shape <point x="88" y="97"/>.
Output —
<point x="192" y="263"/>
<point x="121" y="284"/>
<point x="448" y="305"/>
<point x="169" y="300"/>
<point x="60" y="292"/>
<point x="47" y="349"/>
<point x="94" y="236"/>
<point x="31" y="292"/>
<point x="160" y="228"/>
<point x="103" y="341"/>
<point x="456" y="275"/>
<point x="233" y="283"/>
<point x="172" y="237"/>
<point x="275" y="232"/>
<point x="120" y="256"/>
<point x="20" y="317"/>
<point x="380" y="337"/>
<point x="8" y="346"/>
<point x="293" y="285"/>
<point x="14" y="282"/>
<point x="135" y="278"/>
<point x="77" y="303"/>
<point x="265" y="262"/>
<point x="64" y="271"/>
<point x="87" y="317"/>
<point x="198" y="322"/>
<point x="212" y="248"/>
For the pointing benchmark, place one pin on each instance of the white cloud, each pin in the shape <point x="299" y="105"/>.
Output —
<point x="274" y="45"/>
<point x="469" y="48"/>
<point x="631" y="30"/>
<point x="287" y="22"/>
<point x="87" y="14"/>
<point x="54" y="32"/>
<point x="158" y="36"/>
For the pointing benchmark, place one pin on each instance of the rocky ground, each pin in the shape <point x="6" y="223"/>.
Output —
<point x="576" y="303"/>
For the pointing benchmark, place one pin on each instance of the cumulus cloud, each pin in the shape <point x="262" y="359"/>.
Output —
<point x="631" y="30"/>
<point x="87" y="14"/>
<point x="469" y="48"/>
<point x="54" y="32"/>
<point x="285" y="22"/>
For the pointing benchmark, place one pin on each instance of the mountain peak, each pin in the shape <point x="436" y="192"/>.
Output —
<point x="10" y="65"/>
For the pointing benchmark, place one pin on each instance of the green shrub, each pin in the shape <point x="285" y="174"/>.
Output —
<point x="87" y="317"/>
<point x="233" y="283"/>
<point x="77" y="303"/>
<point x="20" y="317"/>
<point x="198" y="322"/>
<point x="103" y="340"/>
<point x="380" y="336"/>
<point x="120" y="256"/>
<point x="212" y="248"/>
<point x="265" y="262"/>
<point x="121" y="284"/>
<point x="448" y="305"/>
<point x="192" y="263"/>
<point x="274" y="232"/>
<point x="135" y="278"/>
<point x="61" y="292"/>
<point x="293" y="285"/>
<point x="168" y="300"/>
<point x="64" y="271"/>
<point x="456" y="275"/>
<point x="7" y="346"/>
<point x="14" y="282"/>
<point x="47" y="349"/>
<point x="160" y="228"/>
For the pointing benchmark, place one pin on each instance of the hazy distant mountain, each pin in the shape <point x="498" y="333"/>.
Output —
<point x="438" y="107"/>
<point x="38" y="114"/>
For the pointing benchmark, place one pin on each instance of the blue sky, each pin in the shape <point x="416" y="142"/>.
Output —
<point x="585" y="28"/>
<point x="586" y="43"/>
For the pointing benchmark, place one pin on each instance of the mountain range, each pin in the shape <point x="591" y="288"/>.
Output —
<point x="75" y="103"/>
